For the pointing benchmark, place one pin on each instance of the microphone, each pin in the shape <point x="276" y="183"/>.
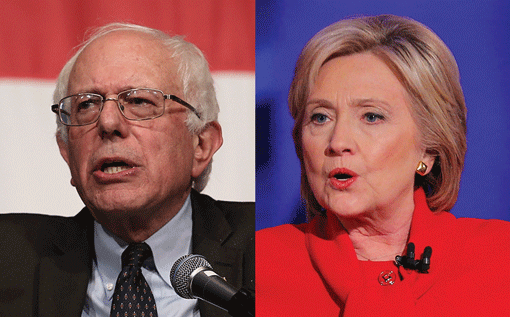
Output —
<point x="193" y="277"/>
<point x="424" y="264"/>
<point x="410" y="254"/>
<point x="408" y="262"/>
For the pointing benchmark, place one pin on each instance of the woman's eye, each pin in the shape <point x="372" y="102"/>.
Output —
<point x="319" y="118"/>
<point x="371" y="117"/>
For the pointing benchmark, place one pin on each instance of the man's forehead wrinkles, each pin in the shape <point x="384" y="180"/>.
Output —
<point x="104" y="76"/>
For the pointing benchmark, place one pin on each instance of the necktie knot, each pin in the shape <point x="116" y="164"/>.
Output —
<point x="133" y="295"/>
<point x="136" y="254"/>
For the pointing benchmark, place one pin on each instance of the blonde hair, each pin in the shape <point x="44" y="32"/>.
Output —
<point x="192" y="69"/>
<point x="429" y="73"/>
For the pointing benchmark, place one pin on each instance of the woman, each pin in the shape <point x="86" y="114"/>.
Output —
<point x="380" y="131"/>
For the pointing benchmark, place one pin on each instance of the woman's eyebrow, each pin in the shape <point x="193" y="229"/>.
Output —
<point x="354" y="102"/>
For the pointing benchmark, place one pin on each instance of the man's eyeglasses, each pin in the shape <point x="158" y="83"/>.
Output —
<point x="134" y="104"/>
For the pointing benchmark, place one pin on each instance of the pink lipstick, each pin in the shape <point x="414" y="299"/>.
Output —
<point x="342" y="178"/>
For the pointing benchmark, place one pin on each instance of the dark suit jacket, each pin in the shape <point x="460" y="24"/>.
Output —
<point x="46" y="261"/>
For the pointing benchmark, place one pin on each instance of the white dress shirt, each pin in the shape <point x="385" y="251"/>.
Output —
<point x="168" y="244"/>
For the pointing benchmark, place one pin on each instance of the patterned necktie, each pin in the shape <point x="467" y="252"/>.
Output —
<point x="133" y="296"/>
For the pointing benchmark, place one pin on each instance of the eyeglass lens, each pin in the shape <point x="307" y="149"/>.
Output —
<point x="136" y="104"/>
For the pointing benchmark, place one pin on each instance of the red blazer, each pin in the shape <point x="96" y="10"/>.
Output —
<point x="312" y="270"/>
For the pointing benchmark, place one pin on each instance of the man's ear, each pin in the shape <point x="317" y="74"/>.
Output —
<point x="62" y="146"/>
<point x="206" y="143"/>
<point x="64" y="151"/>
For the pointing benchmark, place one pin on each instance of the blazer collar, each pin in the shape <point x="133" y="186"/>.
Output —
<point x="211" y="232"/>
<point x="64" y="272"/>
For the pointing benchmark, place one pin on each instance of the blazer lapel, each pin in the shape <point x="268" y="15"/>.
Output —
<point x="210" y="235"/>
<point x="65" y="271"/>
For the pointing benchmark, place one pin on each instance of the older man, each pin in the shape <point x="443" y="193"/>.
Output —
<point x="137" y="126"/>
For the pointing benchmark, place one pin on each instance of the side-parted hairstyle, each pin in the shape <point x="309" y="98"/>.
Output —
<point x="192" y="69"/>
<point x="427" y="70"/>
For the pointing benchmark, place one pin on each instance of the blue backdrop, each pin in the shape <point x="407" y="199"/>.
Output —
<point x="478" y="34"/>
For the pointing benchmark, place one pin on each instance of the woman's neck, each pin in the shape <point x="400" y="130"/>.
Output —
<point x="379" y="239"/>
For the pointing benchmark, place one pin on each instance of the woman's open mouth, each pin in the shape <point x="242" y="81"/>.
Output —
<point x="342" y="178"/>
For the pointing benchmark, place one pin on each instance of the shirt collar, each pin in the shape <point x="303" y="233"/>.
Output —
<point x="168" y="244"/>
<point x="172" y="241"/>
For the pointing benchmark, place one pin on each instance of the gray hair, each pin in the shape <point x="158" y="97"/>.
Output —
<point x="192" y="69"/>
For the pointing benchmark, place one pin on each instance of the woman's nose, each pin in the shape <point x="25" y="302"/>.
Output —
<point x="341" y="140"/>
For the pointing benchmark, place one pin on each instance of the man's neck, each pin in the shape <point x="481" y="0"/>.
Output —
<point x="138" y="226"/>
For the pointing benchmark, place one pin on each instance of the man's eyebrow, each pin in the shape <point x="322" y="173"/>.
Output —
<point x="97" y="91"/>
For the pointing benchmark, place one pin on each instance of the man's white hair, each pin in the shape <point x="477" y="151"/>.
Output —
<point x="192" y="69"/>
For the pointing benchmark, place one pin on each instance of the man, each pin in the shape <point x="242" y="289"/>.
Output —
<point x="137" y="126"/>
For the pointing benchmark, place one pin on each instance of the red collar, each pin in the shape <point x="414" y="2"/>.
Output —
<point x="332" y="255"/>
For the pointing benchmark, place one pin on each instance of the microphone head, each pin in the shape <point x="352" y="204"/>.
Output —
<point x="180" y="275"/>
<point x="410" y="255"/>
<point x="427" y="252"/>
<point x="425" y="258"/>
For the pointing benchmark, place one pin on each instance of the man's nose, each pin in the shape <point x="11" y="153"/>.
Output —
<point x="111" y="121"/>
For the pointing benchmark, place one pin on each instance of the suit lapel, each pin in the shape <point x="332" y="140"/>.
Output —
<point x="65" y="271"/>
<point x="211" y="231"/>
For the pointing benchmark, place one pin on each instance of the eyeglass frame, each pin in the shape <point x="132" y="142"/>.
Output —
<point x="56" y="107"/>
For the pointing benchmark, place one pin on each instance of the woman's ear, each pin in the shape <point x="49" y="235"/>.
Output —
<point x="428" y="160"/>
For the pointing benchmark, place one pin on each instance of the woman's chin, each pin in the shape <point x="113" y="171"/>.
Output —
<point x="347" y="213"/>
<point x="345" y="205"/>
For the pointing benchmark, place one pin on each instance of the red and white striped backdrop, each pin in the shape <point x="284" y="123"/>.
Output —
<point x="37" y="38"/>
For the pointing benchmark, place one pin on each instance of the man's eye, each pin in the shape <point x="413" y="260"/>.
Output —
<point x="140" y="102"/>
<point x="86" y="105"/>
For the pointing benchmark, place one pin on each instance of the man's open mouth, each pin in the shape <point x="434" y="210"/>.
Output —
<point x="114" y="167"/>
